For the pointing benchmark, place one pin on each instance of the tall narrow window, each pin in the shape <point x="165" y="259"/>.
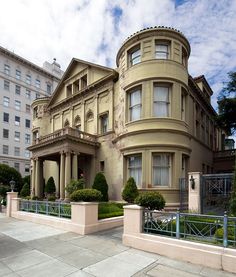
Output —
<point x="5" y="149"/>
<point x="17" y="136"/>
<point x="84" y="81"/>
<point x="28" y="79"/>
<point x="37" y="83"/>
<point x="135" y="169"/>
<point x="134" y="55"/>
<point x="162" y="51"/>
<point x="161" y="101"/>
<point x="17" y="105"/>
<point x="7" y="69"/>
<point x="183" y="104"/>
<point x="77" y="123"/>
<point x="135" y="104"/>
<point x="27" y="138"/>
<point x="5" y="133"/>
<point x="17" y="120"/>
<point x="6" y="101"/>
<point x="49" y="88"/>
<point x="17" y="90"/>
<point x="104" y="123"/>
<point x="161" y="170"/>
<point x="18" y="74"/>
<point x="6" y="117"/>
<point x="17" y="166"/>
<point x="6" y="85"/>
<point x="17" y="151"/>
<point x="69" y="90"/>
<point x="28" y="94"/>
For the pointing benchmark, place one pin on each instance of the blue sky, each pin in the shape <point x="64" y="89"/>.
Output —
<point x="94" y="30"/>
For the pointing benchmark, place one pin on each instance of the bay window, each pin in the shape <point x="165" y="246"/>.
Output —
<point x="161" y="169"/>
<point x="161" y="100"/>
<point x="135" y="168"/>
<point x="162" y="50"/>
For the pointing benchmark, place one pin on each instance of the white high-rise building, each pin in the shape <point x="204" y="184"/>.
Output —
<point x="21" y="82"/>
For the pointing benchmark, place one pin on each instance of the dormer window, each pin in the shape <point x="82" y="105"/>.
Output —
<point x="134" y="55"/>
<point x="162" y="50"/>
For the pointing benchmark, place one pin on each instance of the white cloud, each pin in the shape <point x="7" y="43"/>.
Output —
<point x="40" y="30"/>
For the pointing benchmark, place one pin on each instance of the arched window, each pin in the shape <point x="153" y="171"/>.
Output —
<point x="77" y="122"/>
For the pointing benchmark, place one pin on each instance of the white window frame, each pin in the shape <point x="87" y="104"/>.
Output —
<point x="135" y="106"/>
<point x="135" y="168"/>
<point x="5" y="149"/>
<point x="160" y="167"/>
<point x="18" y="74"/>
<point x="28" y="79"/>
<point x="6" y="101"/>
<point x="6" y="85"/>
<point x="160" y="52"/>
<point x="27" y="138"/>
<point x="17" y="89"/>
<point x="134" y="55"/>
<point x="7" y="69"/>
<point x="17" y="123"/>
<point x="17" y="105"/>
<point x="157" y="104"/>
<point x="17" y="136"/>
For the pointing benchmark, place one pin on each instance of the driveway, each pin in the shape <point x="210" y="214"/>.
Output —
<point x="32" y="250"/>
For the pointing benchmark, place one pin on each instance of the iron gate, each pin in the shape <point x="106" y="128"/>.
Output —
<point x="215" y="192"/>
<point x="183" y="194"/>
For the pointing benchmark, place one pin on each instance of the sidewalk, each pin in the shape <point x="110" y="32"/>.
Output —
<point x="33" y="250"/>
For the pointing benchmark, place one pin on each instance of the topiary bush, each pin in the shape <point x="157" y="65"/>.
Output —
<point x="101" y="185"/>
<point x="130" y="191"/>
<point x="50" y="187"/>
<point x="86" y="195"/>
<point x="151" y="200"/>
<point x="52" y="198"/>
<point x="75" y="185"/>
<point x="25" y="191"/>
<point x="3" y="190"/>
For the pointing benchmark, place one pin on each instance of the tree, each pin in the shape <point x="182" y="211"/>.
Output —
<point x="25" y="191"/>
<point x="130" y="191"/>
<point x="227" y="105"/>
<point x="100" y="184"/>
<point x="75" y="185"/>
<point x="7" y="174"/>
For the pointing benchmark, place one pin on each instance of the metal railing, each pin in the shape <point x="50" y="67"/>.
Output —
<point x="218" y="230"/>
<point x="45" y="207"/>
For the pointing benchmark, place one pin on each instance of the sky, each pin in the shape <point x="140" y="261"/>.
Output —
<point x="94" y="30"/>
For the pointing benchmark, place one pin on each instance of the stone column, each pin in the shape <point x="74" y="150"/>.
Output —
<point x="10" y="196"/>
<point x="62" y="176"/>
<point x="58" y="178"/>
<point x="194" y="191"/>
<point x="37" y="178"/>
<point x="32" y="179"/>
<point x="133" y="219"/>
<point x="75" y="166"/>
<point x="67" y="170"/>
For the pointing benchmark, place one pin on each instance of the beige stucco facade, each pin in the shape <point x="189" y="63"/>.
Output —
<point x="148" y="118"/>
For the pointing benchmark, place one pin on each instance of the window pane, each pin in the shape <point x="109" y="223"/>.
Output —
<point x="135" y="169"/>
<point x="162" y="51"/>
<point x="135" y="105"/>
<point x="135" y="57"/>
<point x="161" y="101"/>
<point x="161" y="170"/>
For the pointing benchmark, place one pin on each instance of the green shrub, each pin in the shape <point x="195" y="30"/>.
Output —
<point x="151" y="200"/>
<point x="110" y="209"/>
<point x="25" y="191"/>
<point x="75" y="185"/>
<point x="232" y="206"/>
<point x="87" y="195"/>
<point x="219" y="234"/>
<point x="8" y="173"/>
<point x="100" y="184"/>
<point x="50" y="187"/>
<point x="3" y="190"/>
<point x="26" y="179"/>
<point x="35" y="198"/>
<point x="52" y="198"/>
<point x="130" y="191"/>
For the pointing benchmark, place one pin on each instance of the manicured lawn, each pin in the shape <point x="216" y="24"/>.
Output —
<point x="110" y="209"/>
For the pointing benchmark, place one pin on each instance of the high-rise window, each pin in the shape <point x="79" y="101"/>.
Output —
<point x="17" y="136"/>
<point x="5" y="149"/>
<point x="135" y="168"/>
<point x="6" y="85"/>
<point x="17" y="91"/>
<point x="135" y="104"/>
<point x="28" y="94"/>
<point x="17" y="120"/>
<point x="37" y="95"/>
<point x="5" y="133"/>
<point x="18" y="74"/>
<point x="7" y="69"/>
<point x="6" y="101"/>
<point x="162" y="51"/>
<point x="27" y="123"/>
<point x="6" y="117"/>
<point x="161" y="169"/>
<point x="49" y="89"/>
<point x="17" y="166"/>
<point x="27" y="108"/>
<point x="27" y="168"/>
<point x="27" y="153"/>
<point x="28" y="79"/>
<point x="134" y="55"/>
<point x="161" y="101"/>
<point x="17" y="151"/>
<point x="27" y="138"/>
<point x="37" y="83"/>
<point x="17" y="105"/>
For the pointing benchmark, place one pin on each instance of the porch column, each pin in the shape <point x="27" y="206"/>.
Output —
<point x="67" y="169"/>
<point x="194" y="192"/>
<point x="37" y="177"/>
<point x="62" y="176"/>
<point x="58" y="178"/>
<point x="32" y="180"/>
<point x="75" y="166"/>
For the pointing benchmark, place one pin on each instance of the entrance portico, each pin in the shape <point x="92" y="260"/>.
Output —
<point x="71" y="150"/>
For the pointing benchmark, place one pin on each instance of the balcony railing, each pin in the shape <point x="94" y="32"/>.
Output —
<point x="225" y="153"/>
<point x="63" y="132"/>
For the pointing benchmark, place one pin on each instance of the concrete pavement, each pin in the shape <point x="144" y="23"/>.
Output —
<point x="32" y="250"/>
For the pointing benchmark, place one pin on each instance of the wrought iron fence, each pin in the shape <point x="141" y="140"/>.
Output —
<point x="219" y="230"/>
<point x="58" y="209"/>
